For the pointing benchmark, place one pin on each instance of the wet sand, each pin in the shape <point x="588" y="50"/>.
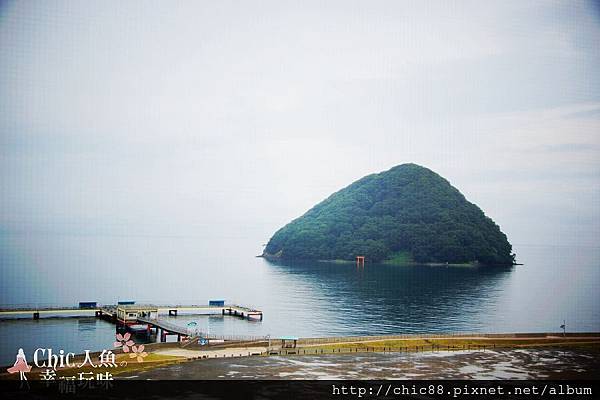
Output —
<point x="548" y="363"/>
<point x="228" y="352"/>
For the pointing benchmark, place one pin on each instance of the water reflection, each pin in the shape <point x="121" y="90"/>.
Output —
<point x="86" y="324"/>
<point x="385" y="299"/>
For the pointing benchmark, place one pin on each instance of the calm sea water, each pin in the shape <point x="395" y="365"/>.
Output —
<point x="306" y="299"/>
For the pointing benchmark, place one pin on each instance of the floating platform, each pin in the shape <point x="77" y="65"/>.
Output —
<point x="129" y="311"/>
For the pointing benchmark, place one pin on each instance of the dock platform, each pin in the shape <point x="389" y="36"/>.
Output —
<point x="129" y="312"/>
<point x="144" y="318"/>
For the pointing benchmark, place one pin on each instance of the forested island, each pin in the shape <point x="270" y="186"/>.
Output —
<point x="408" y="214"/>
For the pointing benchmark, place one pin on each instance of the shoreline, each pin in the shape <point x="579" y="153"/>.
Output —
<point x="552" y="363"/>
<point x="167" y="354"/>
<point x="443" y="358"/>
<point x="392" y="262"/>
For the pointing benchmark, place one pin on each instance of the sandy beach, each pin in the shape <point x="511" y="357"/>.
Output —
<point x="550" y="363"/>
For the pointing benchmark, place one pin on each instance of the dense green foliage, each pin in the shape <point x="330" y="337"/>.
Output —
<point x="408" y="210"/>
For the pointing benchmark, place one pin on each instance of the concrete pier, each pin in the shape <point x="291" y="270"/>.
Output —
<point x="130" y="313"/>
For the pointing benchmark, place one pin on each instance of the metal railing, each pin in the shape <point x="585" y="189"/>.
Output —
<point x="54" y="307"/>
<point x="346" y="339"/>
<point x="373" y="349"/>
<point x="197" y="333"/>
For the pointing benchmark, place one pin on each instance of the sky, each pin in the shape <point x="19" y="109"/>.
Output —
<point x="223" y="119"/>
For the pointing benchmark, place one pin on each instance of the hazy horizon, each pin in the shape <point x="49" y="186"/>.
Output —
<point x="233" y="118"/>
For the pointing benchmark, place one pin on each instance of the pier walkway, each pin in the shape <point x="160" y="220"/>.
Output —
<point x="164" y="327"/>
<point x="130" y="311"/>
<point x="144" y="318"/>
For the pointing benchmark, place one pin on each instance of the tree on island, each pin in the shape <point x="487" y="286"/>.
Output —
<point x="406" y="214"/>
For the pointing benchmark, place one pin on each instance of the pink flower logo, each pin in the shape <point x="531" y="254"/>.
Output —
<point x="123" y="340"/>
<point x="138" y="353"/>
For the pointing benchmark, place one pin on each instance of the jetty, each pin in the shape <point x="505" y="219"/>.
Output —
<point x="137" y="318"/>
<point x="129" y="310"/>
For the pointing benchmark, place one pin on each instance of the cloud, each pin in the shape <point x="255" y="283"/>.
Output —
<point x="121" y="117"/>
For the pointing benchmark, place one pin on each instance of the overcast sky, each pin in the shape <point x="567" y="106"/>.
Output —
<point x="232" y="118"/>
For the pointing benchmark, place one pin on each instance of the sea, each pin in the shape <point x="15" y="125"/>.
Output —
<point x="556" y="285"/>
